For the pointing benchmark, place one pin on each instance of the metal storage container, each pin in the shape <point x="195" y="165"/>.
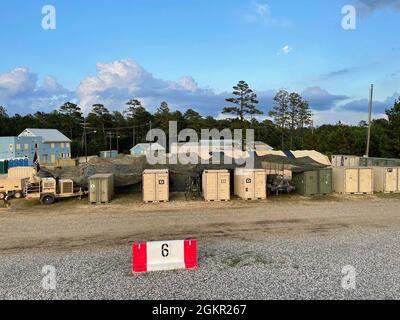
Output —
<point x="3" y="166"/>
<point x="345" y="161"/>
<point x="310" y="183"/>
<point x="358" y="180"/>
<point x="216" y="185"/>
<point x="101" y="188"/>
<point x="156" y="185"/>
<point x="379" y="162"/>
<point x="387" y="180"/>
<point x="109" y="154"/>
<point x="250" y="184"/>
<point x="21" y="172"/>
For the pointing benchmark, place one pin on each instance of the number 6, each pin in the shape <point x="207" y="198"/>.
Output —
<point x="164" y="250"/>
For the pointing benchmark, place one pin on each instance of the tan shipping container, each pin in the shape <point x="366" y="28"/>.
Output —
<point x="12" y="185"/>
<point x="156" y="185"/>
<point x="21" y="172"/>
<point x="101" y="188"/>
<point x="216" y="185"/>
<point x="359" y="180"/>
<point x="387" y="179"/>
<point x="250" y="184"/>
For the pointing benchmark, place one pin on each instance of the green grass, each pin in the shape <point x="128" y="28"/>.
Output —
<point x="388" y="195"/>
<point x="246" y="259"/>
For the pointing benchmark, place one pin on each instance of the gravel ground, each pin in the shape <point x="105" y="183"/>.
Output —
<point x="299" y="266"/>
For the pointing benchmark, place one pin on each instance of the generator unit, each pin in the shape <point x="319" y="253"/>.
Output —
<point x="48" y="190"/>
<point x="66" y="186"/>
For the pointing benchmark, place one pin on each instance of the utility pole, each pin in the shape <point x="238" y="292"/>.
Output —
<point x="151" y="136"/>
<point x="110" y="134"/>
<point x="84" y="124"/>
<point x="369" y="120"/>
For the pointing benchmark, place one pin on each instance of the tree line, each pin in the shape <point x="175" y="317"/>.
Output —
<point x="289" y="125"/>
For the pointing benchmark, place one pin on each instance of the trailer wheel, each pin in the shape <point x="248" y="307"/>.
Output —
<point x="2" y="195"/>
<point x="47" y="199"/>
<point x="18" y="195"/>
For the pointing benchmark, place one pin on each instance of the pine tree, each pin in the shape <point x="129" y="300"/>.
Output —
<point x="134" y="106"/>
<point x="246" y="104"/>
<point x="163" y="116"/>
<point x="293" y="114"/>
<point x="245" y="101"/>
<point x="139" y="118"/>
<point x="72" y="116"/>
<point x="100" y="116"/>
<point x="280" y="113"/>
<point x="304" y="118"/>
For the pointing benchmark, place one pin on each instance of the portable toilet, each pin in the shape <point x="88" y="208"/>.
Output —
<point x="101" y="188"/>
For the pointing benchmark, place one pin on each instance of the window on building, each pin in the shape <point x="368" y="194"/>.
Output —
<point x="26" y="146"/>
<point x="53" y="145"/>
<point x="18" y="146"/>
<point x="10" y="146"/>
<point x="68" y="145"/>
<point x="62" y="145"/>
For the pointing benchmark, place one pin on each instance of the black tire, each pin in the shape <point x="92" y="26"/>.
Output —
<point x="18" y="195"/>
<point x="2" y="195"/>
<point x="48" y="199"/>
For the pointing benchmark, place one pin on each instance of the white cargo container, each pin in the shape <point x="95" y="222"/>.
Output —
<point x="348" y="180"/>
<point x="156" y="185"/>
<point x="216" y="185"/>
<point x="387" y="179"/>
<point x="250" y="184"/>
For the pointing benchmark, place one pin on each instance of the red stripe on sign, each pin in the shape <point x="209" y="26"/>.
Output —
<point x="139" y="257"/>
<point x="190" y="254"/>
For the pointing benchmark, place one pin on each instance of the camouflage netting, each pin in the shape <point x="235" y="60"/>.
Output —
<point x="128" y="169"/>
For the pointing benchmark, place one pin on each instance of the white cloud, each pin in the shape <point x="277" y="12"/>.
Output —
<point x="285" y="50"/>
<point x="262" y="13"/>
<point x="366" y="7"/>
<point x="20" y="92"/>
<point x="118" y="81"/>
<point x="17" y="81"/>
<point x="262" y="9"/>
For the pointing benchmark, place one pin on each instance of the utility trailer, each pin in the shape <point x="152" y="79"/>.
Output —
<point x="277" y="183"/>
<point x="48" y="190"/>
<point x="12" y="187"/>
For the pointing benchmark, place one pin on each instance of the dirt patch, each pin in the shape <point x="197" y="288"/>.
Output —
<point x="75" y="224"/>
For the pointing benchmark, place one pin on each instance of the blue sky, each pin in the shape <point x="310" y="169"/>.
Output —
<point x="190" y="53"/>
